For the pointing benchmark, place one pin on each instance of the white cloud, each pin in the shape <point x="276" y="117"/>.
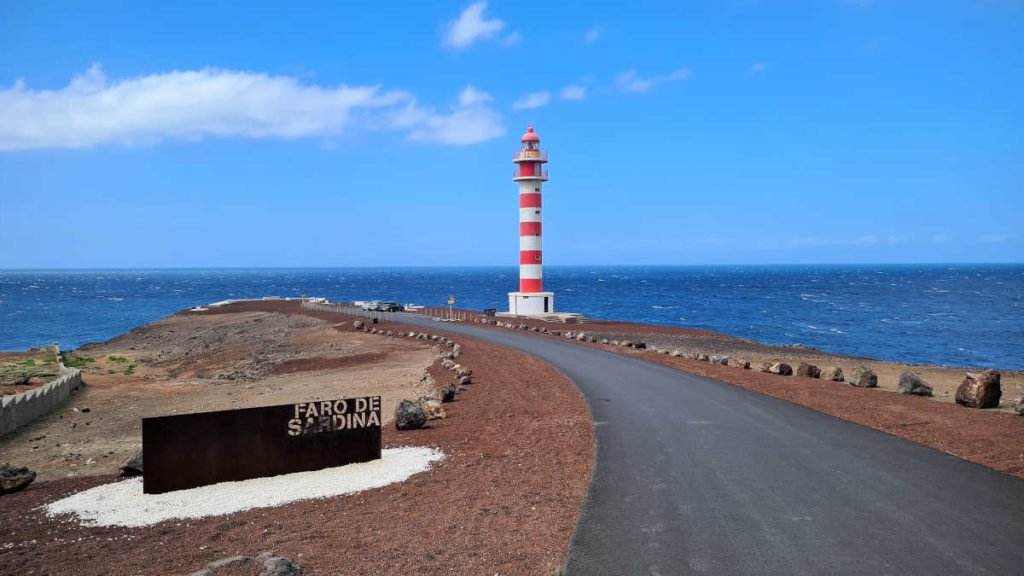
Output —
<point x="869" y="240"/>
<point x="757" y="68"/>
<point x="512" y="38"/>
<point x="190" y="105"/>
<point x="629" y="81"/>
<point x="593" y="34"/>
<point x="471" y="26"/>
<point x="574" y="92"/>
<point x="470" y="96"/>
<point x="531" y="101"/>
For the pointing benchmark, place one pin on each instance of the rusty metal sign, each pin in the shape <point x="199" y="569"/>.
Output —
<point x="191" y="450"/>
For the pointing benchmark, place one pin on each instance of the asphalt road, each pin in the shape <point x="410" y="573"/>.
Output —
<point x="695" y="476"/>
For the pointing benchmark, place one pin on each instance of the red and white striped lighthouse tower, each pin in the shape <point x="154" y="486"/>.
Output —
<point x="530" y="174"/>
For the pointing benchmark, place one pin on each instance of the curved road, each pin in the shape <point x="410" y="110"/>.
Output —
<point x="694" y="476"/>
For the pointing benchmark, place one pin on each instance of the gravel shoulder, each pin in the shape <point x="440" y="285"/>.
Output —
<point x="991" y="437"/>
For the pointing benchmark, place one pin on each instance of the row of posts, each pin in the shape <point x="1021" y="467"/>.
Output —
<point x="440" y="312"/>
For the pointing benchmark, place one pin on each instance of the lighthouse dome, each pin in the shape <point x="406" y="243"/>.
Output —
<point x="530" y="135"/>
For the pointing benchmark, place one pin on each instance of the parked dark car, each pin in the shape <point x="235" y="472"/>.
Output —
<point x="391" y="307"/>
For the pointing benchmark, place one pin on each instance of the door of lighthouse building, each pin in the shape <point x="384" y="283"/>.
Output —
<point x="546" y="310"/>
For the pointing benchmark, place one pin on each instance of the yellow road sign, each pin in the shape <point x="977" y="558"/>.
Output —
<point x="451" y="300"/>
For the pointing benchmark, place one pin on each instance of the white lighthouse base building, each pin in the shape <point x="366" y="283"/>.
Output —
<point x="531" y="303"/>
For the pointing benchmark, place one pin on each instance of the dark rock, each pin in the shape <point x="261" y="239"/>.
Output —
<point x="278" y="566"/>
<point x="980" y="391"/>
<point x="409" y="415"/>
<point x="640" y="345"/>
<point x="447" y="393"/>
<point x="133" y="466"/>
<point x="22" y="380"/>
<point x="14" y="478"/>
<point x="270" y="565"/>
<point x="781" y="368"/>
<point x="374" y="320"/>
<point x="212" y="567"/>
<point x="808" y="370"/>
<point x="911" y="383"/>
<point x="862" y="377"/>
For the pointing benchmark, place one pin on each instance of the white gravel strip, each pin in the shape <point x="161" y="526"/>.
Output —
<point x="123" y="503"/>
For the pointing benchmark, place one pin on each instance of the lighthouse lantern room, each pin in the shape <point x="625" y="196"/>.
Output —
<point x="531" y="299"/>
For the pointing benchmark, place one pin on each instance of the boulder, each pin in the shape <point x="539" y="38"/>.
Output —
<point x="677" y="353"/>
<point x="23" y="380"/>
<point x="703" y="357"/>
<point x="980" y="390"/>
<point x="432" y="409"/>
<point x="464" y="380"/>
<point x="132" y="466"/>
<point x="461" y="371"/>
<point x="409" y="415"/>
<point x="740" y="363"/>
<point x="781" y="368"/>
<point x="639" y="345"/>
<point x="278" y="565"/>
<point x="582" y="336"/>
<point x="862" y="377"/>
<point x="625" y="344"/>
<point x="615" y="342"/>
<point x="765" y="367"/>
<point x="911" y="383"/>
<point x="723" y="360"/>
<point x="833" y="373"/>
<point x="604" y="340"/>
<point x="358" y="324"/>
<point x="446" y="393"/>
<point x="14" y="478"/>
<point x="808" y="370"/>
<point x="374" y="320"/>
<point x="1018" y="406"/>
<point x="270" y="565"/>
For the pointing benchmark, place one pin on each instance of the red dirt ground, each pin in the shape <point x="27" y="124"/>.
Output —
<point x="505" y="501"/>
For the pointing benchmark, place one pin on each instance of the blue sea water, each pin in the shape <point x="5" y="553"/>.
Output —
<point x="958" y="315"/>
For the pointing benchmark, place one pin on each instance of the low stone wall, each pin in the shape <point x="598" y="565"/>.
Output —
<point x="20" y="409"/>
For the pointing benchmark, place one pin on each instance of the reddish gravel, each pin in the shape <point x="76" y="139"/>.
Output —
<point x="519" y="450"/>
<point x="308" y="364"/>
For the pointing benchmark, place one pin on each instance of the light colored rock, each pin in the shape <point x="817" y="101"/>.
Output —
<point x="863" y="377"/>
<point x="833" y="373"/>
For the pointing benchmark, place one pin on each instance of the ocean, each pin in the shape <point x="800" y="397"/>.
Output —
<point x="956" y="315"/>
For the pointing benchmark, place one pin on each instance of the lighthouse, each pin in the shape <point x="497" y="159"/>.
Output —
<point x="529" y="172"/>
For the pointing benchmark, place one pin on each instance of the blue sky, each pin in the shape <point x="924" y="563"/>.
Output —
<point x="338" y="134"/>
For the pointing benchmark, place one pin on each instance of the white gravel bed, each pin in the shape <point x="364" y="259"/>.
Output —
<point x="123" y="503"/>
